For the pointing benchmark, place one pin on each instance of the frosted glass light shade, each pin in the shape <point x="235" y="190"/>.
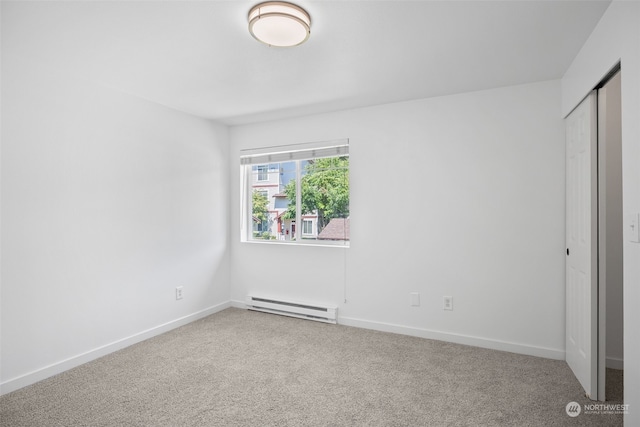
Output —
<point x="279" y="24"/>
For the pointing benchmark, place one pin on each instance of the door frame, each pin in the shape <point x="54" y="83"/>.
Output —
<point x="603" y="153"/>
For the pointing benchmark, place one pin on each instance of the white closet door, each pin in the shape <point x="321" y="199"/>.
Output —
<point x="581" y="239"/>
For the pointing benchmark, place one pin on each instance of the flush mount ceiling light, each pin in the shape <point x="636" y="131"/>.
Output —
<point x="280" y="24"/>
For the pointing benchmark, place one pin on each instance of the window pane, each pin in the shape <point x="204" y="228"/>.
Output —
<point x="325" y="197"/>
<point x="269" y="201"/>
<point x="324" y="210"/>
<point x="329" y="182"/>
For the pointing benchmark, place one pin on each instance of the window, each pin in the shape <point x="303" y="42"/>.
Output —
<point x="312" y="189"/>
<point x="307" y="226"/>
<point x="263" y="172"/>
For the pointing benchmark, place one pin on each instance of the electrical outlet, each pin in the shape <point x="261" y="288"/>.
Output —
<point x="447" y="303"/>
<point x="179" y="292"/>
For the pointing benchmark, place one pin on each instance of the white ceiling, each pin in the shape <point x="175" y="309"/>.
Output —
<point x="198" y="56"/>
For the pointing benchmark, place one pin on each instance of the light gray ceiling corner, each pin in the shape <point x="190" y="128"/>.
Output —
<point x="198" y="56"/>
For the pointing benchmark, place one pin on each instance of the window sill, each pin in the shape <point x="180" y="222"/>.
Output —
<point x="290" y="243"/>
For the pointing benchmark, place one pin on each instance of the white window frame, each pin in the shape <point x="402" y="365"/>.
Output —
<point x="279" y="154"/>
<point x="310" y="223"/>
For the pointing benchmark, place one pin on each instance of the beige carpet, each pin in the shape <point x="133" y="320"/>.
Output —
<point x="242" y="368"/>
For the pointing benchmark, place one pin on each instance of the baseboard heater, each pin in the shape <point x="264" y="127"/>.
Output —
<point x="302" y="310"/>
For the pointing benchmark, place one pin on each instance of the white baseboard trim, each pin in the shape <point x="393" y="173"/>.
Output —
<point x="548" y="353"/>
<point x="615" y="363"/>
<point x="238" y="304"/>
<point x="64" y="365"/>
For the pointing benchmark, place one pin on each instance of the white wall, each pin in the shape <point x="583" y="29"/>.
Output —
<point x="617" y="38"/>
<point x="108" y="203"/>
<point x="460" y="195"/>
